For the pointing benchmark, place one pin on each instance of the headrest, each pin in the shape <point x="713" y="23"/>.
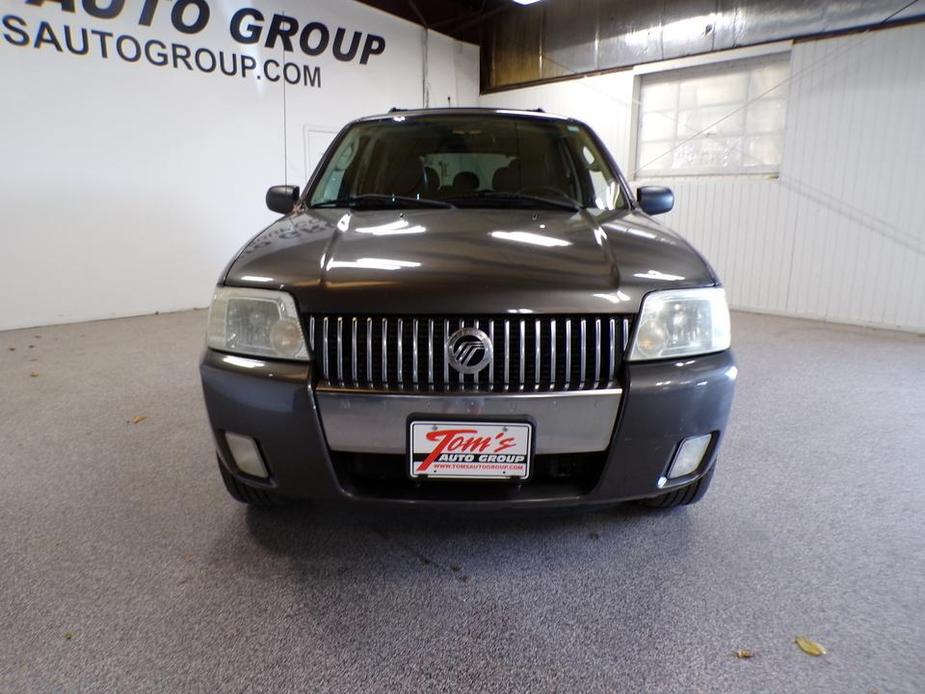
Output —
<point x="465" y="181"/>
<point x="407" y="177"/>
<point x="507" y="178"/>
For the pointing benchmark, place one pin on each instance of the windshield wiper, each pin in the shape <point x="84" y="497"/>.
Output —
<point x="565" y="203"/>
<point x="383" y="199"/>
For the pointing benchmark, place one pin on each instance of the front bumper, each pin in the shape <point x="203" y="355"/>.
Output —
<point x="624" y="438"/>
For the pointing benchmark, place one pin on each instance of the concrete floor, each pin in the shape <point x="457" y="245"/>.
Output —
<point x="124" y="566"/>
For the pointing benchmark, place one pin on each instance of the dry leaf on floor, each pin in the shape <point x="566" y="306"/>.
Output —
<point x="34" y="374"/>
<point x="137" y="418"/>
<point x="809" y="646"/>
<point x="744" y="653"/>
<point x="68" y="635"/>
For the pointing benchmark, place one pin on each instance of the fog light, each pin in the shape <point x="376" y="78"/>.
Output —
<point x="689" y="455"/>
<point x="246" y="455"/>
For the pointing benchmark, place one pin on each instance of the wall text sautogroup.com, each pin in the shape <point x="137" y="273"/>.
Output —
<point x="248" y="26"/>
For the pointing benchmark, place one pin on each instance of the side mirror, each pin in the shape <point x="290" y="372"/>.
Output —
<point x="655" y="199"/>
<point x="282" y="198"/>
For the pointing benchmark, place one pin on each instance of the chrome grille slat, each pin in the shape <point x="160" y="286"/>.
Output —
<point x="462" y="377"/>
<point x="597" y="350"/>
<point x="523" y="352"/>
<point x="385" y="350"/>
<point x="353" y="352"/>
<point x="401" y="351"/>
<point x="477" y="324"/>
<point x="583" y="353"/>
<point x="568" y="352"/>
<point x="430" y="354"/>
<point x="491" y="364"/>
<point x="507" y="354"/>
<point x="414" y="352"/>
<point x="340" y="350"/>
<point x="369" y="352"/>
<point x="405" y="355"/>
<point x="325" y="344"/>
<point x="446" y="356"/>
<point x="552" y="351"/>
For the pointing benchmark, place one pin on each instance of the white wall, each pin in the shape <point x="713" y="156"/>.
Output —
<point x="452" y="72"/>
<point x="452" y="78"/>
<point x="126" y="187"/>
<point x="840" y="235"/>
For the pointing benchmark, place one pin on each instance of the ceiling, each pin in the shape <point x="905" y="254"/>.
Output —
<point x="460" y="19"/>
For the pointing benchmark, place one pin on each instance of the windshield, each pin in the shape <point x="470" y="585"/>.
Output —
<point x="468" y="161"/>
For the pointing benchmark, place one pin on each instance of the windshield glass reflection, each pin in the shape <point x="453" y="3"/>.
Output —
<point x="484" y="160"/>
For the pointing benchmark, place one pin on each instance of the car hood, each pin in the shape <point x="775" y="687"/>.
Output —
<point x="464" y="261"/>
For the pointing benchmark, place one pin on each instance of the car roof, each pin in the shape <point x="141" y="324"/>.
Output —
<point x="464" y="111"/>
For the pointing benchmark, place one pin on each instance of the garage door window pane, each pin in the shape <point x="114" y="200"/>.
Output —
<point x="766" y="80"/>
<point x="708" y="154"/>
<point x="660" y="125"/>
<point x="713" y="90"/>
<point x="726" y="118"/>
<point x="716" y="120"/>
<point x="767" y="116"/>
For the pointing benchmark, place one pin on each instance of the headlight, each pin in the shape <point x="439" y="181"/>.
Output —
<point x="681" y="323"/>
<point x="257" y="322"/>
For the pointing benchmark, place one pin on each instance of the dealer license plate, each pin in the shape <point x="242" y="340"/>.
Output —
<point x="470" y="450"/>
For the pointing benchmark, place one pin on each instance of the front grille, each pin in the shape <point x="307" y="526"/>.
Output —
<point x="543" y="353"/>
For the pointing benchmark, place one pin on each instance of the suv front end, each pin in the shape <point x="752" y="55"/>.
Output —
<point x="470" y="348"/>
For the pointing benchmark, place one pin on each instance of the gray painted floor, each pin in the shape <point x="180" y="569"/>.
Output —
<point x="125" y="567"/>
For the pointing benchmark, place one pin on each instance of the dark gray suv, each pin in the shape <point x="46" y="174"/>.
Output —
<point x="468" y="307"/>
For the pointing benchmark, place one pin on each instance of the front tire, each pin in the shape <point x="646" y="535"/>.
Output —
<point x="683" y="496"/>
<point x="247" y="494"/>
